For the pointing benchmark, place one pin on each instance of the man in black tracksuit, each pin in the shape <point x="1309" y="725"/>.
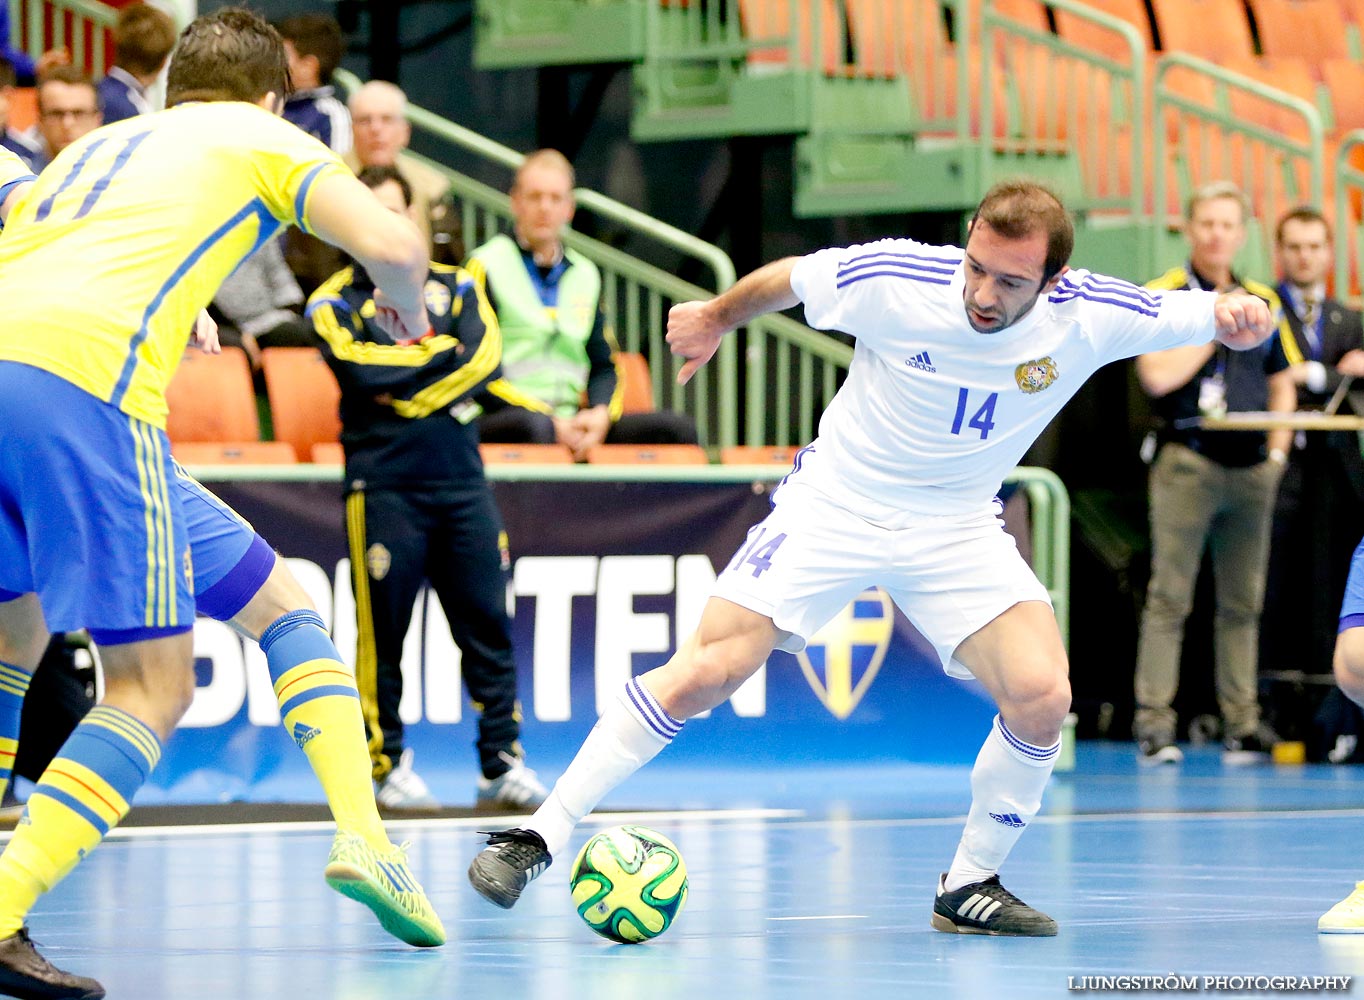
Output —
<point x="418" y="509"/>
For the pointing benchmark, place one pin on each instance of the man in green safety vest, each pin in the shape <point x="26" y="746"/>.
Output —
<point x="560" y="381"/>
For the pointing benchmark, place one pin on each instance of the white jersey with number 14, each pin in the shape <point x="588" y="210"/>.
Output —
<point x="933" y="415"/>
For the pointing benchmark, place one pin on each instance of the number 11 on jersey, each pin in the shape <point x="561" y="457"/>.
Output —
<point x="982" y="420"/>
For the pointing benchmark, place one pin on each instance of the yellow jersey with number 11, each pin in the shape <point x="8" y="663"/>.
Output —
<point x="128" y="233"/>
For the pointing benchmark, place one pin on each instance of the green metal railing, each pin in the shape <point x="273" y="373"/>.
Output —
<point x="76" y="25"/>
<point x="1349" y="172"/>
<point x="1063" y="99"/>
<point x="787" y="364"/>
<point x="1213" y="124"/>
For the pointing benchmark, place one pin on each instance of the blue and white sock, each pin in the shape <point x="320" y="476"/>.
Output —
<point x="1006" y="792"/>
<point x="629" y="734"/>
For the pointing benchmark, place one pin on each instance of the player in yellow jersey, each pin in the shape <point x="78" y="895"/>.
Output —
<point x="153" y="213"/>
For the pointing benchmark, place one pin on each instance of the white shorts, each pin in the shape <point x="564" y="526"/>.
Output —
<point x="950" y="575"/>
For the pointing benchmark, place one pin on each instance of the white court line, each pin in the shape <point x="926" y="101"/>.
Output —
<point x="499" y="820"/>
<point x="1056" y="819"/>
<point x="828" y="916"/>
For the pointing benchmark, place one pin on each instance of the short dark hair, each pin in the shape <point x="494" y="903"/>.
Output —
<point x="315" y="35"/>
<point x="373" y="177"/>
<point x="1017" y="209"/>
<point x="8" y="78"/>
<point x="68" y="74"/>
<point x="143" y="39"/>
<point x="229" y="55"/>
<point x="1303" y="213"/>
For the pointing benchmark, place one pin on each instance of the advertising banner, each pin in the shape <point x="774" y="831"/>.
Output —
<point x="607" y="577"/>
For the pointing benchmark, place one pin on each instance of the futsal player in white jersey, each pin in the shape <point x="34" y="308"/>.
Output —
<point x="962" y="358"/>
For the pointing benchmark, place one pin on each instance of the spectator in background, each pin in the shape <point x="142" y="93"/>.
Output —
<point x="143" y="39"/>
<point x="1320" y="507"/>
<point x="314" y="46"/>
<point x="557" y="352"/>
<point x="26" y="69"/>
<point x="19" y="143"/>
<point x="1211" y="491"/>
<point x="378" y="112"/>
<point x="68" y="108"/>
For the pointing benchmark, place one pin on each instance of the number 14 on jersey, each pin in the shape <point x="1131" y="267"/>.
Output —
<point x="983" y="419"/>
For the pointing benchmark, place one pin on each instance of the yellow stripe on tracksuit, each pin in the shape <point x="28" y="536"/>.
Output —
<point x="366" y="655"/>
<point x="160" y="610"/>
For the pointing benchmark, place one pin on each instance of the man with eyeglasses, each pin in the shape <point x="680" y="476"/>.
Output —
<point x="68" y="108"/>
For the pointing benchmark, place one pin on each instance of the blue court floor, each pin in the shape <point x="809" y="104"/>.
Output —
<point x="814" y="883"/>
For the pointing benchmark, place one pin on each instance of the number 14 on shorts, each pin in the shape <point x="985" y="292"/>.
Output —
<point x="758" y="551"/>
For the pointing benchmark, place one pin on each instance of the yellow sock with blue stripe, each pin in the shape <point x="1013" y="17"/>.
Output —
<point x="320" y="708"/>
<point x="81" y="796"/>
<point x="13" y="686"/>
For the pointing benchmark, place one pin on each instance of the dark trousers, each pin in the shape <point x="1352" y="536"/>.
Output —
<point x="453" y="539"/>
<point x="1317" y="523"/>
<point x="514" y="425"/>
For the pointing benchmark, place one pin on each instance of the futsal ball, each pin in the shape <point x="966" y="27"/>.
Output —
<point x="629" y="883"/>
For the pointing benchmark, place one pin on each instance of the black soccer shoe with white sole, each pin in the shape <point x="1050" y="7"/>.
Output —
<point x="988" y="908"/>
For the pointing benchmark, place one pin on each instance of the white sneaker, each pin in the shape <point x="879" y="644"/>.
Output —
<point x="404" y="791"/>
<point x="517" y="787"/>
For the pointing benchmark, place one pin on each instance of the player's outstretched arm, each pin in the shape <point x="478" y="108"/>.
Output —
<point x="388" y="246"/>
<point x="1242" y="320"/>
<point x="695" y="328"/>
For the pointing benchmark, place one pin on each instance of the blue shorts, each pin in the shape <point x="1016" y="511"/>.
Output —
<point x="231" y="561"/>
<point x="1352" y="608"/>
<point x="87" y="521"/>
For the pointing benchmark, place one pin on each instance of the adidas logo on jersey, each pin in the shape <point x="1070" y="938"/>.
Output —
<point x="922" y="362"/>
<point x="1008" y="819"/>
<point x="304" y="734"/>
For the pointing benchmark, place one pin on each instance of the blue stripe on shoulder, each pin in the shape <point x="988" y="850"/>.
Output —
<point x="301" y="197"/>
<point x="268" y="226"/>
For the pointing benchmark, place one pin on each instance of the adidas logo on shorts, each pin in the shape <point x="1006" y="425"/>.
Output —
<point x="1008" y="819"/>
<point x="922" y="362"/>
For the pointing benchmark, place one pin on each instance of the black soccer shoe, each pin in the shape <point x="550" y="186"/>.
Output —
<point x="27" y="975"/>
<point x="988" y="908"/>
<point x="508" y="864"/>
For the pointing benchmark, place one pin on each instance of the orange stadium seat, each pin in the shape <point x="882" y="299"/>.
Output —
<point x="1213" y="29"/>
<point x="1304" y="29"/>
<point x="328" y="453"/>
<point x="304" y="397"/>
<point x="1099" y="39"/>
<point x="758" y="454"/>
<point x="229" y="453"/>
<point x="211" y="399"/>
<point x="633" y="371"/>
<point x="648" y="454"/>
<point x="525" y="454"/>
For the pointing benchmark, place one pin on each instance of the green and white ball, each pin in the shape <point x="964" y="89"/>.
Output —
<point x="629" y="883"/>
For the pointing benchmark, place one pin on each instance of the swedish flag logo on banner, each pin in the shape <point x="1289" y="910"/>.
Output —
<point x="843" y="657"/>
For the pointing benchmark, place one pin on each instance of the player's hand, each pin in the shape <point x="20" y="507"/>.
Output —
<point x="1242" y="320"/>
<point x="1351" y="363"/>
<point x="401" y="324"/>
<point x="694" y="335"/>
<point x="205" y="335"/>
